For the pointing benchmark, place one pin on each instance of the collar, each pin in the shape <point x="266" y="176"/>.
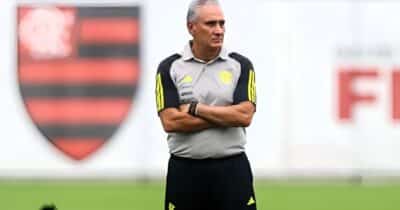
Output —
<point x="187" y="54"/>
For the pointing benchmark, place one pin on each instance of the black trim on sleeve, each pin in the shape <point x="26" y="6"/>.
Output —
<point x="245" y="88"/>
<point x="166" y="92"/>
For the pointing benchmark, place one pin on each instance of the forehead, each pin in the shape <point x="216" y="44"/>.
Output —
<point x="210" y="12"/>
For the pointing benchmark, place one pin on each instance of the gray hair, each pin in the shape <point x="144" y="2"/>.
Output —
<point x="192" y="13"/>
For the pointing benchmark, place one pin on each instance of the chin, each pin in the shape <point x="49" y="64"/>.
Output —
<point x="216" y="45"/>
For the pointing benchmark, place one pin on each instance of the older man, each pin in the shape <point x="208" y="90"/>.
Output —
<point x="205" y="98"/>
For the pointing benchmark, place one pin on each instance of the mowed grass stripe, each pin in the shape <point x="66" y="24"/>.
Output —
<point x="81" y="196"/>
<point x="328" y="196"/>
<point x="150" y="196"/>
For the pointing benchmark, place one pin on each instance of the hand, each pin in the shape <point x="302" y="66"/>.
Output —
<point x="186" y="94"/>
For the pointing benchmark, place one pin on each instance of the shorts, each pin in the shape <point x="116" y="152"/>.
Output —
<point x="210" y="184"/>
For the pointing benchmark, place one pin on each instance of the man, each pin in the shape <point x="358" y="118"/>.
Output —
<point x="205" y="99"/>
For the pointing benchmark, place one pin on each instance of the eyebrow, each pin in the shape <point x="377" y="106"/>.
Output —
<point x="221" y="22"/>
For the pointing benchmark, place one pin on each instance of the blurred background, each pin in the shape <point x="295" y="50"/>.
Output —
<point x="78" y="113"/>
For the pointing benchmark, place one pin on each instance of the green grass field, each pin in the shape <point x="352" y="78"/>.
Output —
<point x="23" y="195"/>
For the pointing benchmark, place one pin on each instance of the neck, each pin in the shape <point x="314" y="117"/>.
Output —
<point x="204" y="53"/>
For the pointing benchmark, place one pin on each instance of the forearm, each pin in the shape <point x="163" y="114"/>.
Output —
<point x="227" y="116"/>
<point x="174" y="120"/>
<point x="188" y="123"/>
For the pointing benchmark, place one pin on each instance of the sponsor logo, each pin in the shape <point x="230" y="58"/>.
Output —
<point x="187" y="79"/>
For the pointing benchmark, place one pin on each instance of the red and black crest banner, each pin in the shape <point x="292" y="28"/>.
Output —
<point x="78" y="69"/>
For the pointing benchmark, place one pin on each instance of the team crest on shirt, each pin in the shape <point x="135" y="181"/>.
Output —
<point x="225" y="77"/>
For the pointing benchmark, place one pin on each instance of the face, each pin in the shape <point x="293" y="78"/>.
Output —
<point x="208" y="28"/>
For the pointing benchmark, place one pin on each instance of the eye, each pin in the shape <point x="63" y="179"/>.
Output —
<point x="214" y="23"/>
<point x="211" y="23"/>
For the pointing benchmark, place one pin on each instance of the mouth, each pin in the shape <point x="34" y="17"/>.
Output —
<point x="218" y="40"/>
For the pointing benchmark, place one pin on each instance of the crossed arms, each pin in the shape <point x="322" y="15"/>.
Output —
<point x="179" y="120"/>
<point x="175" y="117"/>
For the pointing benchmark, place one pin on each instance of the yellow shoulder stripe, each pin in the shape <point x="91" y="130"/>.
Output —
<point x="251" y="87"/>
<point x="159" y="93"/>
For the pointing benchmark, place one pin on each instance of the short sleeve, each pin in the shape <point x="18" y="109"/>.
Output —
<point x="166" y="92"/>
<point x="246" y="87"/>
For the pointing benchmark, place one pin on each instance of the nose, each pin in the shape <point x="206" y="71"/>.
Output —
<point x="219" y="29"/>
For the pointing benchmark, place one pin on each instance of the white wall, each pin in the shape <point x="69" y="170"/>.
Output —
<point x="296" y="131"/>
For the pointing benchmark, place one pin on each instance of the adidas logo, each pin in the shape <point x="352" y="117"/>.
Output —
<point x="251" y="201"/>
<point x="171" y="206"/>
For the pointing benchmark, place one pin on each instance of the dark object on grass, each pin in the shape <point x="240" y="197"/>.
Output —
<point x="48" y="207"/>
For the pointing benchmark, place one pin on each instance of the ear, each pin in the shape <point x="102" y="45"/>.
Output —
<point x="191" y="27"/>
